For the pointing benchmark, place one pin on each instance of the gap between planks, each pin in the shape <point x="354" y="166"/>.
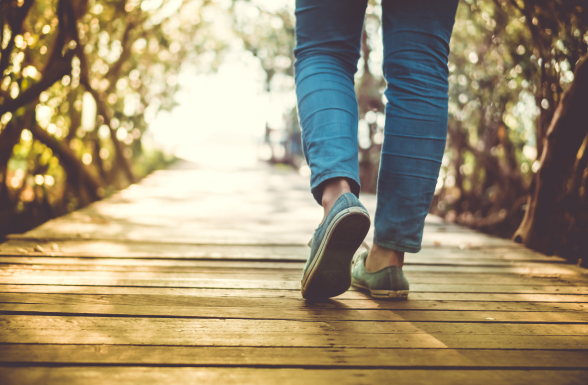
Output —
<point x="292" y="294"/>
<point x="380" y="315"/>
<point x="187" y="301"/>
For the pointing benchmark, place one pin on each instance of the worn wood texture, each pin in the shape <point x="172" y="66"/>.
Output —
<point x="192" y="276"/>
<point x="286" y="376"/>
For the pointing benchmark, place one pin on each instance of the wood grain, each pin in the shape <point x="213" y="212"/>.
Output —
<point x="289" y="357"/>
<point x="262" y="376"/>
<point x="159" y="283"/>
<point x="193" y="301"/>
<point x="295" y="314"/>
<point x="117" y="288"/>
<point x="241" y="332"/>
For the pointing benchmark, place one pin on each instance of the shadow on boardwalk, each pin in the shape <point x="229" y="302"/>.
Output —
<point x="192" y="276"/>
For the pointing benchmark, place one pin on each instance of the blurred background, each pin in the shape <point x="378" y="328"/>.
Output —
<point x="95" y="94"/>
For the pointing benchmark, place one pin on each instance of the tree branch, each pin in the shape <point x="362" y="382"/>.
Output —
<point x="57" y="70"/>
<point x="9" y="137"/>
<point x="69" y="161"/>
<point x="16" y="27"/>
<point x="126" y="45"/>
<point x="100" y="106"/>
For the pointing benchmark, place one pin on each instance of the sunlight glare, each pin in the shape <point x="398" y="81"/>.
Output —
<point x="219" y="114"/>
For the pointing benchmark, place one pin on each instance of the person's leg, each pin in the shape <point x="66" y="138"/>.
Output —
<point x="328" y="41"/>
<point x="328" y="34"/>
<point x="416" y="46"/>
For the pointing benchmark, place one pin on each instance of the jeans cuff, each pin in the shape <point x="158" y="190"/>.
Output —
<point x="318" y="185"/>
<point x="397" y="246"/>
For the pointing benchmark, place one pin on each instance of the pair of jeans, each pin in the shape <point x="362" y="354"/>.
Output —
<point x="416" y="37"/>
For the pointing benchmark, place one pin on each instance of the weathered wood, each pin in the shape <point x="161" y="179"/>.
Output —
<point x="428" y="261"/>
<point x="171" y="272"/>
<point x="271" y="303"/>
<point x="126" y="249"/>
<point x="239" y="332"/>
<point x="143" y="280"/>
<point x="293" y="294"/>
<point x="203" y="231"/>
<point x="138" y="327"/>
<point x="197" y="235"/>
<point x="292" y="357"/>
<point x="449" y="266"/>
<point x="328" y="314"/>
<point x="535" y="269"/>
<point x="261" y="376"/>
<point x="160" y="275"/>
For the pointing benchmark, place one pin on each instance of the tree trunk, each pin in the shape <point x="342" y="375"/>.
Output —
<point x="9" y="137"/>
<point x="561" y="145"/>
<point x="121" y="161"/>
<point x="69" y="161"/>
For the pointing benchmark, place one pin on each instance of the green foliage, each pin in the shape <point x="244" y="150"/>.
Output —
<point x="81" y="80"/>
<point x="510" y="61"/>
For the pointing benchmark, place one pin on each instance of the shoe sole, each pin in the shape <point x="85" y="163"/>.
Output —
<point x="330" y="272"/>
<point x="392" y="295"/>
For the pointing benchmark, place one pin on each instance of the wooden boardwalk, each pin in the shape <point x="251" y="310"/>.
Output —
<point x="193" y="276"/>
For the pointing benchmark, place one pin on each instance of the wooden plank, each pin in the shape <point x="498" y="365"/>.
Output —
<point x="293" y="294"/>
<point x="150" y="280"/>
<point x="167" y="327"/>
<point x="280" y="275"/>
<point x="532" y="269"/>
<point x="261" y="376"/>
<point x="272" y="303"/>
<point x="137" y="265"/>
<point x="239" y="332"/>
<point x="64" y="230"/>
<point x="293" y="314"/>
<point x="36" y="355"/>
<point x="429" y="261"/>
<point x="118" y="249"/>
<point x="139" y="262"/>
<point x="64" y="265"/>
<point x="230" y="231"/>
<point x="548" y="270"/>
<point x="182" y="266"/>
<point x="125" y="249"/>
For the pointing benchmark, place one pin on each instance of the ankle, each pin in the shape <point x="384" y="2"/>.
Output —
<point x="380" y="257"/>
<point x="333" y="189"/>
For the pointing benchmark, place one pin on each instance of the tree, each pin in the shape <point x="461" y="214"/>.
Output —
<point x="80" y="81"/>
<point x="556" y="219"/>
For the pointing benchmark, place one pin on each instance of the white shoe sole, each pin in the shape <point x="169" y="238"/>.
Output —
<point x="383" y="294"/>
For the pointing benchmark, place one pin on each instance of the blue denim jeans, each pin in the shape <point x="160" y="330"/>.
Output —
<point x="416" y="37"/>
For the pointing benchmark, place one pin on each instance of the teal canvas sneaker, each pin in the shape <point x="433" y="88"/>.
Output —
<point x="328" y="269"/>
<point x="388" y="283"/>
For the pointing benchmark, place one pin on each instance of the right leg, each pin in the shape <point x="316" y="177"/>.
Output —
<point x="328" y="38"/>
<point x="328" y="41"/>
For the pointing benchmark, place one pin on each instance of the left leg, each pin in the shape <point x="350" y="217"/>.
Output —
<point x="416" y="46"/>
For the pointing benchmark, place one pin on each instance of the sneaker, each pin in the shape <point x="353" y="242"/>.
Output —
<point x="328" y="270"/>
<point x="388" y="283"/>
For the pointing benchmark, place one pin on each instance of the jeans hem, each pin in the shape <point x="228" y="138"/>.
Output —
<point x="397" y="246"/>
<point x="317" y="186"/>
